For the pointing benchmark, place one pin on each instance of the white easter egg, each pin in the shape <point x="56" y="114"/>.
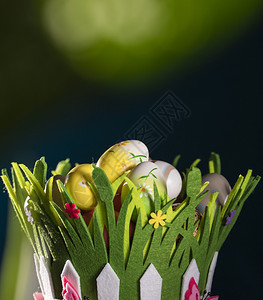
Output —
<point x="122" y="157"/>
<point x="172" y="178"/>
<point x="144" y="176"/>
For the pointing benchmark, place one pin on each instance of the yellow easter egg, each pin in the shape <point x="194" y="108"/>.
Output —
<point x="77" y="185"/>
<point x="123" y="157"/>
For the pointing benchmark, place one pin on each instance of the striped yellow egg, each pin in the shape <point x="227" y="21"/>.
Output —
<point x="77" y="184"/>
<point x="122" y="157"/>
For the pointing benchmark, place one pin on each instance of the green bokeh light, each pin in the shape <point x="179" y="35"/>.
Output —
<point x="117" y="39"/>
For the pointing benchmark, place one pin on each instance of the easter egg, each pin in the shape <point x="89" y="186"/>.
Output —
<point x="172" y="178"/>
<point x="144" y="176"/>
<point x="122" y="157"/>
<point x="217" y="183"/>
<point x="77" y="185"/>
<point x="52" y="189"/>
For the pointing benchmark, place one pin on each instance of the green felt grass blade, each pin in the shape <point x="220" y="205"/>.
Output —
<point x="214" y="232"/>
<point x="99" y="243"/>
<point x="20" y="192"/>
<point x="195" y="163"/>
<point x="232" y="195"/>
<point x="203" y="242"/>
<point x="36" y="185"/>
<point x="250" y="187"/>
<point x="4" y="172"/>
<point x="214" y="163"/>
<point x="68" y="227"/>
<point x="11" y="194"/>
<point x="211" y="208"/>
<point x="115" y="185"/>
<point x="68" y="242"/>
<point x="79" y="223"/>
<point x="43" y="242"/>
<point x="194" y="180"/>
<point x="157" y="200"/>
<point x="19" y="174"/>
<point x="103" y="185"/>
<point x="123" y="229"/>
<point x="167" y="206"/>
<point x="63" y="167"/>
<point x="106" y="195"/>
<point x="176" y="160"/>
<point x="40" y="171"/>
<point x="226" y="229"/>
<point x="17" y="210"/>
<point x="37" y="240"/>
<point x="204" y="185"/>
<point x="153" y="255"/>
<point x="136" y="202"/>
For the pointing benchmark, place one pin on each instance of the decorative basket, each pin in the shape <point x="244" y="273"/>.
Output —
<point x="170" y="253"/>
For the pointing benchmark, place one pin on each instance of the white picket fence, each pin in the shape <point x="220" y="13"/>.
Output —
<point x="108" y="283"/>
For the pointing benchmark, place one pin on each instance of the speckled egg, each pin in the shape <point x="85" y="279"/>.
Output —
<point x="143" y="176"/>
<point x="122" y="157"/>
<point x="172" y="178"/>
<point x="217" y="183"/>
<point x="77" y="184"/>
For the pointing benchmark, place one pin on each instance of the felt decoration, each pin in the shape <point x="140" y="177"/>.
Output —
<point x="69" y="293"/>
<point x="69" y="274"/>
<point x="211" y="273"/>
<point x="72" y="258"/>
<point x="72" y="211"/>
<point x="46" y="279"/>
<point x="191" y="272"/>
<point x="38" y="296"/>
<point x="108" y="284"/>
<point x="157" y="219"/>
<point x="38" y="273"/>
<point x="151" y="284"/>
<point x="193" y="292"/>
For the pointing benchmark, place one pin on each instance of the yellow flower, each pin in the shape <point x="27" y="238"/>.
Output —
<point x="157" y="219"/>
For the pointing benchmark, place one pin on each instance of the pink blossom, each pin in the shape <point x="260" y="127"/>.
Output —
<point x="193" y="292"/>
<point x="69" y="293"/>
<point x="72" y="211"/>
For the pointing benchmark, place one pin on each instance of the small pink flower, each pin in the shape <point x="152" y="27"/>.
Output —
<point x="69" y="293"/>
<point x="72" y="211"/>
<point x="193" y="292"/>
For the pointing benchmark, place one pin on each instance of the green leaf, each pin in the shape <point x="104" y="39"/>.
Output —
<point x="211" y="208"/>
<point x="63" y="167"/>
<point x="103" y="185"/>
<point x="157" y="200"/>
<point x="35" y="183"/>
<point x="214" y="163"/>
<point x="40" y="171"/>
<point x="176" y="160"/>
<point x="193" y="184"/>
<point x="231" y="196"/>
